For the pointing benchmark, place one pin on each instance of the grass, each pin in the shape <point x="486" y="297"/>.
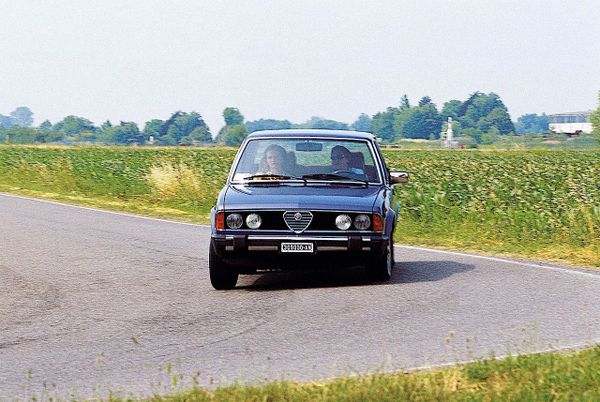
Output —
<point x="162" y="182"/>
<point x="532" y="204"/>
<point x="538" y="377"/>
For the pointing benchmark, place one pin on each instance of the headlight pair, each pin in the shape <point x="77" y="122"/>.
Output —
<point x="235" y="221"/>
<point x="361" y="222"/>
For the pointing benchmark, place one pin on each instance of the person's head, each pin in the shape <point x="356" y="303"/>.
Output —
<point x="275" y="158"/>
<point x="340" y="158"/>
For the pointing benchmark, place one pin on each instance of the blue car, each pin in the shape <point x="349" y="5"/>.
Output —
<point x="298" y="199"/>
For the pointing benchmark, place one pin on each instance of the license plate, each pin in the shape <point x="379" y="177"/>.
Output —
<point x="296" y="247"/>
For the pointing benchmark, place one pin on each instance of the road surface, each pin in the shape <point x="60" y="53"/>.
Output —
<point x="92" y="302"/>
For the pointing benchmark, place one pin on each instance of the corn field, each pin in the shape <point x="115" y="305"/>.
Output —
<point x="500" y="200"/>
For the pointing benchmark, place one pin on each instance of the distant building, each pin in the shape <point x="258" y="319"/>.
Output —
<point x="574" y="123"/>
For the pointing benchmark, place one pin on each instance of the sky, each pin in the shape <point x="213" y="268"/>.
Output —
<point x="139" y="60"/>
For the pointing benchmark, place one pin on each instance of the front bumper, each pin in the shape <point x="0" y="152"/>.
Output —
<point x="264" y="250"/>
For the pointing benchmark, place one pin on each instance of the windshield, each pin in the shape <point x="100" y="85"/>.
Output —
<point x="307" y="159"/>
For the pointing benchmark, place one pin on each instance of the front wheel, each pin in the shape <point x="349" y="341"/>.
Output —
<point x="380" y="270"/>
<point x="222" y="276"/>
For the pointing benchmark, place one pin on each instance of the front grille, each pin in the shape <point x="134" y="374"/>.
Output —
<point x="279" y="220"/>
<point x="297" y="221"/>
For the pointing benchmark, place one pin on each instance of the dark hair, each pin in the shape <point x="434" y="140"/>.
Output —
<point x="341" y="150"/>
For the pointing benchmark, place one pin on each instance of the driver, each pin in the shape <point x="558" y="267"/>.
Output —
<point x="340" y="160"/>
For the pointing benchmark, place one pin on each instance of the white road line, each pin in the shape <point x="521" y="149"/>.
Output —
<point x="563" y="349"/>
<point x="103" y="210"/>
<point x="574" y="271"/>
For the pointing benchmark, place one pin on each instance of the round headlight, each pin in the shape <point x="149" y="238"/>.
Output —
<point x="253" y="221"/>
<point x="234" y="221"/>
<point x="362" y="222"/>
<point x="343" y="222"/>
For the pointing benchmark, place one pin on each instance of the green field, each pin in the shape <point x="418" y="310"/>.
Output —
<point x="536" y="204"/>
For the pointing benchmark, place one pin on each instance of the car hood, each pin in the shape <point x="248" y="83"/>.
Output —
<point x="351" y="198"/>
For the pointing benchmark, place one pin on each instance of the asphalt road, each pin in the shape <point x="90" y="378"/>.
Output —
<point x="93" y="301"/>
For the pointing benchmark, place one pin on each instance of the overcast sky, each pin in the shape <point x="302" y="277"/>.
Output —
<point x="138" y="60"/>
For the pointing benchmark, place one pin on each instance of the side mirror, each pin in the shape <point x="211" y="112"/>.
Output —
<point x="399" y="177"/>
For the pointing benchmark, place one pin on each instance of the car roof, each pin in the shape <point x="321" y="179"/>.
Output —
<point x="312" y="132"/>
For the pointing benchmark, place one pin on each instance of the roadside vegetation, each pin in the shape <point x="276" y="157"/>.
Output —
<point x="540" y="377"/>
<point x="535" y="204"/>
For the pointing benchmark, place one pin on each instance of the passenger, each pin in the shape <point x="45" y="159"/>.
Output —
<point x="340" y="161"/>
<point x="273" y="161"/>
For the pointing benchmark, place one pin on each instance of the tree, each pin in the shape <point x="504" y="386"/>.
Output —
<point x="232" y="116"/>
<point x="451" y="109"/>
<point x="483" y="111"/>
<point x="45" y="134"/>
<point x="462" y="111"/>
<point x="22" y="116"/>
<point x="46" y="125"/>
<point x="422" y="122"/>
<point x="74" y="126"/>
<point x="382" y="124"/>
<point x="21" y="135"/>
<point x="267" y="124"/>
<point x="127" y="133"/>
<point x="474" y="133"/>
<point x="404" y="103"/>
<point x="153" y="128"/>
<point x="595" y="119"/>
<point x="177" y="127"/>
<point x="426" y="100"/>
<point x="490" y="137"/>
<point x="532" y="123"/>
<point x="201" y="135"/>
<point x="480" y="112"/>
<point x="498" y="118"/>
<point x="183" y="124"/>
<point x="106" y="125"/>
<point x="234" y="131"/>
<point x="5" y="121"/>
<point x="320" y="122"/>
<point x="400" y="120"/>
<point x="362" y="123"/>
<point x="234" y="135"/>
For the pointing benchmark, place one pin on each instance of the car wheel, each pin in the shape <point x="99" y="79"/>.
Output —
<point x="222" y="276"/>
<point x="381" y="269"/>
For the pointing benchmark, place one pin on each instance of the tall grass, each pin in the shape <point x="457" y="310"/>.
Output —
<point x="541" y="377"/>
<point x="178" y="179"/>
<point x="534" y="203"/>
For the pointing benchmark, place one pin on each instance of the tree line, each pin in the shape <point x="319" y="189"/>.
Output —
<point x="482" y="117"/>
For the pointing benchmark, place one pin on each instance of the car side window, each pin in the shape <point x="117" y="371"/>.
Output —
<point x="386" y="171"/>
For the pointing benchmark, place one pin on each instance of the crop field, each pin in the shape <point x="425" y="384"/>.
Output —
<point x="537" y="204"/>
<point x="543" y="204"/>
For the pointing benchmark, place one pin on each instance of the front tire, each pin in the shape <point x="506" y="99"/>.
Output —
<point x="222" y="276"/>
<point x="381" y="269"/>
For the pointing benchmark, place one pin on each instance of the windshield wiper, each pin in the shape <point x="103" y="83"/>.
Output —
<point x="271" y="176"/>
<point x="334" y="177"/>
